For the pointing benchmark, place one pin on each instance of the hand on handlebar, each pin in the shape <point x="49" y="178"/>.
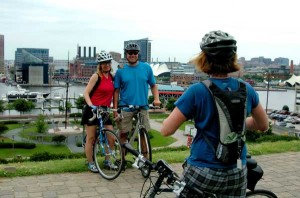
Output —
<point x="93" y="107"/>
<point x="156" y="103"/>
<point x="117" y="116"/>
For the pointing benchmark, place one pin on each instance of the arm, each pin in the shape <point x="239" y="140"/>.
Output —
<point x="116" y="101"/>
<point x="172" y="122"/>
<point x="258" y="120"/>
<point x="89" y="88"/>
<point x="155" y="94"/>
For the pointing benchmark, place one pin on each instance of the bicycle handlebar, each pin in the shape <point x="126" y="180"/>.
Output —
<point x="164" y="170"/>
<point x="97" y="112"/>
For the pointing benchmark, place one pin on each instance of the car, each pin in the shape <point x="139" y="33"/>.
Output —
<point x="291" y="126"/>
<point x="282" y="123"/>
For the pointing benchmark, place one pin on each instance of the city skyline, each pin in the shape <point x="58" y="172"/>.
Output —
<point x="175" y="30"/>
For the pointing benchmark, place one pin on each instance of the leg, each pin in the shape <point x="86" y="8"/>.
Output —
<point x="124" y="126"/>
<point x="90" y="139"/>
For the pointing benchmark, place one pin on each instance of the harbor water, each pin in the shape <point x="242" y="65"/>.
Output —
<point x="276" y="99"/>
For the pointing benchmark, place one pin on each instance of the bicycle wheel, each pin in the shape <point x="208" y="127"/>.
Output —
<point x="109" y="161"/>
<point x="144" y="148"/>
<point x="150" y="193"/>
<point x="261" y="193"/>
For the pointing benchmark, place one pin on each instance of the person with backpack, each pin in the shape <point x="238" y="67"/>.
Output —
<point x="222" y="108"/>
<point x="98" y="92"/>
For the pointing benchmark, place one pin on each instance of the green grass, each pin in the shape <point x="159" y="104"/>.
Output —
<point x="171" y="155"/>
<point x="10" y="153"/>
<point x="160" y="141"/>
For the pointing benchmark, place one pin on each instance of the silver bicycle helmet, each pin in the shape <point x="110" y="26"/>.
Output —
<point x="103" y="56"/>
<point x="216" y="42"/>
<point x="131" y="46"/>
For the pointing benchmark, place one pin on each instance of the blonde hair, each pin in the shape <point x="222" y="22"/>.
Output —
<point x="99" y="70"/>
<point x="210" y="65"/>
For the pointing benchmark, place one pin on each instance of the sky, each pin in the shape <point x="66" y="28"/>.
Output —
<point x="175" y="28"/>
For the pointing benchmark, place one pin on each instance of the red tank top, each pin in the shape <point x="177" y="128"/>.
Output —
<point x="104" y="92"/>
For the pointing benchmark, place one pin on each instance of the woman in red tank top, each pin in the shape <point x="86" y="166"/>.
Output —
<point x="98" y="94"/>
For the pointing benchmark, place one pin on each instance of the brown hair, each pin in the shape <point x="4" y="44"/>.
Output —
<point x="209" y="65"/>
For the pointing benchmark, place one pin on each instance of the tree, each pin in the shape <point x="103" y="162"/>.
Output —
<point x="61" y="109"/>
<point x="2" y="108"/>
<point x="170" y="105"/>
<point x="80" y="102"/>
<point x="285" y="108"/>
<point x="40" y="123"/>
<point x="69" y="106"/>
<point x="23" y="105"/>
<point x="9" y="107"/>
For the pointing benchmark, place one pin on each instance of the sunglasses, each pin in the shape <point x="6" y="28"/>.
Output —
<point x="133" y="52"/>
<point x="106" y="62"/>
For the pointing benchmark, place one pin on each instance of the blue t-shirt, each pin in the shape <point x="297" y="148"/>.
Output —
<point x="133" y="83"/>
<point x="197" y="103"/>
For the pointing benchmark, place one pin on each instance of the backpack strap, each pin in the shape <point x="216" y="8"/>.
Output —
<point x="95" y="86"/>
<point x="223" y="113"/>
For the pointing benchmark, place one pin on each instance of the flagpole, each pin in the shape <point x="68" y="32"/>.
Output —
<point x="67" y="90"/>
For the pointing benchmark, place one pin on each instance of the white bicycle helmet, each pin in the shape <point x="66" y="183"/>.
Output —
<point x="103" y="56"/>
<point x="131" y="46"/>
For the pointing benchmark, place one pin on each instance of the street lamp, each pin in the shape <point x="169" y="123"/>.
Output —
<point x="268" y="76"/>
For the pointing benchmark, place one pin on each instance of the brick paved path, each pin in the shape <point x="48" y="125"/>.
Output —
<point x="282" y="176"/>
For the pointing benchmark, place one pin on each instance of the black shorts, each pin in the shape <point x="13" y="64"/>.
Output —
<point x="87" y="114"/>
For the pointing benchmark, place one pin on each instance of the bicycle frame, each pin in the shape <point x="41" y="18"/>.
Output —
<point x="138" y="126"/>
<point x="99" y="133"/>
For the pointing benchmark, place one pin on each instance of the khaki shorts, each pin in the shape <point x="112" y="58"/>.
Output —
<point x="125" y="125"/>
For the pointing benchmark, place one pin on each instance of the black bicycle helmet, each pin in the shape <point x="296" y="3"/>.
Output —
<point x="215" y="43"/>
<point x="131" y="46"/>
<point x="103" y="56"/>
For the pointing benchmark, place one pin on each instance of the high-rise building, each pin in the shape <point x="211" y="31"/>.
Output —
<point x="35" y="60"/>
<point x="1" y="54"/>
<point x="145" y="45"/>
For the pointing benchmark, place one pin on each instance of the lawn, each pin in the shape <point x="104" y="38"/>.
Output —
<point x="40" y="148"/>
<point x="171" y="155"/>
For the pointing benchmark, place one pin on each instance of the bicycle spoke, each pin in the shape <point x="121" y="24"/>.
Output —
<point x="109" y="160"/>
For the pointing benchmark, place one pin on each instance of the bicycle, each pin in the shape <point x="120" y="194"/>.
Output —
<point x="169" y="181"/>
<point x="139" y="131"/>
<point x="109" y="161"/>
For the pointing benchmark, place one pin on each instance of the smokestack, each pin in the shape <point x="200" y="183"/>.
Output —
<point x="94" y="52"/>
<point x="156" y="59"/>
<point x="169" y="59"/>
<point x="90" y="52"/>
<point x="84" y="52"/>
<point x="174" y="59"/>
<point x="79" y="51"/>
<point x="292" y="67"/>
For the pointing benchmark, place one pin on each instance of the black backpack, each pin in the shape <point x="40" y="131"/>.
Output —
<point x="231" y="109"/>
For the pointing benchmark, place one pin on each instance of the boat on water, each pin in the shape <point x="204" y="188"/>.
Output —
<point x="26" y="94"/>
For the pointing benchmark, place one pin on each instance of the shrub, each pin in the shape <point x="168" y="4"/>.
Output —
<point x="3" y="161"/>
<point x="10" y="122"/>
<point x="275" y="138"/>
<point x="59" y="139"/>
<point x="23" y="145"/>
<point x="46" y="156"/>
<point x="3" y="128"/>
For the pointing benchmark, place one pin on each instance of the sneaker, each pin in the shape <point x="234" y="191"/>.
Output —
<point x="109" y="165"/>
<point x="92" y="167"/>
